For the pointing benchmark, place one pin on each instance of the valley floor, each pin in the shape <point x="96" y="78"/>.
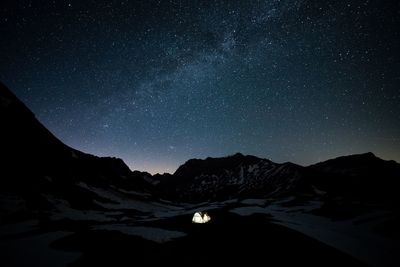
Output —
<point x="247" y="232"/>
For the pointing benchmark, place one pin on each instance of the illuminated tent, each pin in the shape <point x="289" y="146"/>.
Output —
<point x="201" y="217"/>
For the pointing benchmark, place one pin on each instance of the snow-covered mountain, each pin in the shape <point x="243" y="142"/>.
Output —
<point x="354" y="178"/>
<point x="231" y="177"/>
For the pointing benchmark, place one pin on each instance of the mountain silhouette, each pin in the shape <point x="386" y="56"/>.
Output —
<point x="36" y="163"/>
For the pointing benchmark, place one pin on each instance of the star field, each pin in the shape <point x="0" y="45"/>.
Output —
<point x="159" y="82"/>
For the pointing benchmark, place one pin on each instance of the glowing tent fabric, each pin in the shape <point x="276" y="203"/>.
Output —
<point x="200" y="217"/>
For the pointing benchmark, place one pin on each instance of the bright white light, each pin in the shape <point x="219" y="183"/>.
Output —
<point x="201" y="217"/>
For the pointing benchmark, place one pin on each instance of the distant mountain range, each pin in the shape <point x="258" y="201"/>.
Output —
<point x="35" y="163"/>
<point x="362" y="177"/>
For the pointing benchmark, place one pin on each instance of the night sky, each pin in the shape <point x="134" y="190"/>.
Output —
<point x="159" y="82"/>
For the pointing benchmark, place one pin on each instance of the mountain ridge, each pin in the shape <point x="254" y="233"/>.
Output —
<point x="25" y="141"/>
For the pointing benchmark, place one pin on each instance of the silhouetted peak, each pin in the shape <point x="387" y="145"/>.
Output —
<point x="237" y="155"/>
<point x="368" y="155"/>
<point x="355" y="158"/>
<point x="362" y="165"/>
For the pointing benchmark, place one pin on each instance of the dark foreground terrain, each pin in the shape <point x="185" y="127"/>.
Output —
<point x="231" y="240"/>
<point x="228" y="239"/>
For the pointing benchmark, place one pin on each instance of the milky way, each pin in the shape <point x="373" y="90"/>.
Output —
<point x="159" y="82"/>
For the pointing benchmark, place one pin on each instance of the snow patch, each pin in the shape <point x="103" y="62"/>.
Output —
<point x="64" y="211"/>
<point x="123" y="202"/>
<point x="251" y="201"/>
<point x="247" y="211"/>
<point x="347" y="236"/>
<point x="158" y="235"/>
<point x="252" y="168"/>
<point x="317" y="191"/>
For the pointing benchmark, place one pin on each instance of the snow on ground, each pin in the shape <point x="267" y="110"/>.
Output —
<point x="188" y="209"/>
<point x="127" y="203"/>
<point x="252" y="201"/>
<point x="83" y="215"/>
<point x="64" y="211"/>
<point x="230" y="201"/>
<point x="131" y="192"/>
<point x="247" y="211"/>
<point x="34" y="250"/>
<point x="150" y="233"/>
<point x="152" y="210"/>
<point x="354" y="239"/>
<point x="351" y="238"/>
